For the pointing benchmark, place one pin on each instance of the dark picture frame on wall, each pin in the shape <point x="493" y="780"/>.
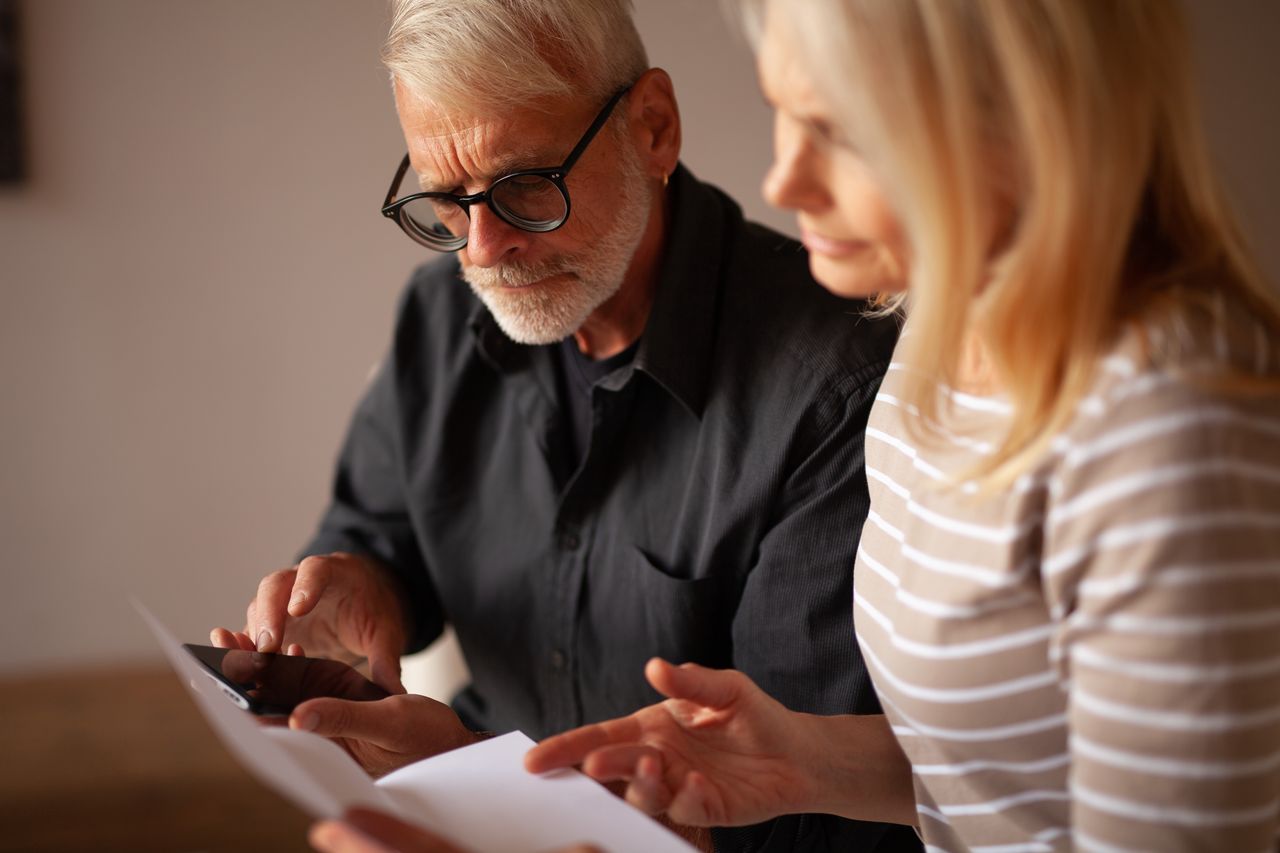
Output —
<point x="12" y="162"/>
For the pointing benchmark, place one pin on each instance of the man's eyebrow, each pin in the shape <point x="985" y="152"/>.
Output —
<point x="517" y="159"/>
<point x="500" y="166"/>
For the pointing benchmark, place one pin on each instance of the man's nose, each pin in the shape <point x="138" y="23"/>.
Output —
<point x="491" y="241"/>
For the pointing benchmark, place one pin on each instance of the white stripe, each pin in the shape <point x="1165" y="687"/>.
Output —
<point x="1121" y="536"/>
<point x="1166" y="475"/>
<point x="1172" y="576"/>
<point x="939" y="609"/>
<point x="968" y="401"/>
<point x="1177" y="721"/>
<point x="954" y="650"/>
<point x="983" y="448"/>
<point x="1177" y="626"/>
<point x="910" y="452"/>
<point x="1001" y="535"/>
<point x="879" y="521"/>
<point x="1173" y="673"/>
<point x="878" y="476"/>
<point x="961" y="695"/>
<point x="1004" y="803"/>
<point x="1052" y="832"/>
<point x="1024" y="847"/>
<point x="1164" y="425"/>
<point x="1041" y="765"/>
<point x="903" y="731"/>
<point x="1024" y="483"/>
<point x="1119" y="365"/>
<point x="990" y="578"/>
<point x="1093" y="406"/>
<point x="977" y="404"/>
<point x="1157" y="766"/>
<point x="1083" y="841"/>
<point x="927" y="811"/>
<point x="1177" y="816"/>
<point x="1026" y="727"/>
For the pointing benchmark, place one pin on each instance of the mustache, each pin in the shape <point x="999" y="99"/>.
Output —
<point x="517" y="273"/>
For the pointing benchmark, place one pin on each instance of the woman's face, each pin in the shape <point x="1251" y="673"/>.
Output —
<point x="855" y="242"/>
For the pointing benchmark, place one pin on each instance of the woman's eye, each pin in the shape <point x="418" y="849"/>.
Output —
<point x="827" y="133"/>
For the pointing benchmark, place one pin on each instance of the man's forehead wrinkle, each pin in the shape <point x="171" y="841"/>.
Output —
<point x="451" y="151"/>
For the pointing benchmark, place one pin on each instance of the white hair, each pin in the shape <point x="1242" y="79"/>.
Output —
<point x="487" y="56"/>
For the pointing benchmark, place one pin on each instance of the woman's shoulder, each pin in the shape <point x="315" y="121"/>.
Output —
<point x="1212" y="353"/>
<point x="1176" y="388"/>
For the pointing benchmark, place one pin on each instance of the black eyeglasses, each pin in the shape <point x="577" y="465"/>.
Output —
<point x="532" y="199"/>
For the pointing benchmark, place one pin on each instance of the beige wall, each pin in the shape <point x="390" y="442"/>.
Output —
<point x="195" y="282"/>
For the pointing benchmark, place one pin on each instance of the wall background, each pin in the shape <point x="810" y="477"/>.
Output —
<point x="194" y="282"/>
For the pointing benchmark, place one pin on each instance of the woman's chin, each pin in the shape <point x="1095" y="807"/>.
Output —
<point x="853" y="278"/>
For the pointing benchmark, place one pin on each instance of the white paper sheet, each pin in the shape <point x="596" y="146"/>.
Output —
<point x="479" y="795"/>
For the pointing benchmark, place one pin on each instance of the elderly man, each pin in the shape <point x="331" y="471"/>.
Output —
<point x="636" y="432"/>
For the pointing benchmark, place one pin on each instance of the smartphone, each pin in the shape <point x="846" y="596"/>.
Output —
<point x="273" y="684"/>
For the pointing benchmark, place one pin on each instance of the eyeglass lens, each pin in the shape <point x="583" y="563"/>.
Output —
<point x="531" y="202"/>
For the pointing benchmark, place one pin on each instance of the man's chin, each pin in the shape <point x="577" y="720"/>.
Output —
<point x="534" y="325"/>
<point x="529" y="333"/>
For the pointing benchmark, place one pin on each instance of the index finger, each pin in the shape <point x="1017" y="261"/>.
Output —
<point x="571" y="747"/>
<point x="267" y="612"/>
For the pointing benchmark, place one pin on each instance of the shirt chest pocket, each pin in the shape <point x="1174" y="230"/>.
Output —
<point x="642" y="609"/>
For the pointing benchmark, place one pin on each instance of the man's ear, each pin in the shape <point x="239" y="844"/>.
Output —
<point x="654" y="117"/>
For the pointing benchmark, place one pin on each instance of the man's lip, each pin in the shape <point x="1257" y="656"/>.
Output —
<point x="537" y="283"/>
<point x="823" y="245"/>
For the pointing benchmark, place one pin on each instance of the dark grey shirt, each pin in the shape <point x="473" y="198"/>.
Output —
<point x="712" y="517"/>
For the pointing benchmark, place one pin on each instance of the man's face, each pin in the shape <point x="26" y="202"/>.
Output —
<point x="539" y="287"/>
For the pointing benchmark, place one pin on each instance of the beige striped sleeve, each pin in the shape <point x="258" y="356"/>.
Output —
<point x="1162" y="572"/>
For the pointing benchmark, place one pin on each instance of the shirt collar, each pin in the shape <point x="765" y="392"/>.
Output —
<point x="676" y="346"/>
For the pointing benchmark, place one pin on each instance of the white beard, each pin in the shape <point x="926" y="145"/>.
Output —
<point x="551" y="312"/>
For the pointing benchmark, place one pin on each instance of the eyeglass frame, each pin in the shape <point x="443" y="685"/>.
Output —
<point x="393" y="207"/>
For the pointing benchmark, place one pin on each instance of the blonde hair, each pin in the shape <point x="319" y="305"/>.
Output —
<point x="487" y="56"/>
<point x="1077" y="119"/>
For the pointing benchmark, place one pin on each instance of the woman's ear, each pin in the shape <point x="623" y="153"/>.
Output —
<point x="654" y="119"/>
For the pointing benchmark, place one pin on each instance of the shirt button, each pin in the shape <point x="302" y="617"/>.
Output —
<point x="558" y="659"/>
<point x="570" y="541"/>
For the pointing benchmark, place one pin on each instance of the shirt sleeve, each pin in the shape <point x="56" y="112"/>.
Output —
<point x="793" y="630"/>
<point x="368" y="512"/>
<point x="1162" y="571"/>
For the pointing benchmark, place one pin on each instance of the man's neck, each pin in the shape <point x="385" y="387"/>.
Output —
<point x="620" y="321"/>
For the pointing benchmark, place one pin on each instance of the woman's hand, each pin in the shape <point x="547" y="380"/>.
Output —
<point x="718" y="752"/>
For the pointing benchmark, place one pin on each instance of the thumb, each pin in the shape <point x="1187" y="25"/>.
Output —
<point x="384" y="661"/>
<point x="714" y="688"/>
<point x="337" y="718"/>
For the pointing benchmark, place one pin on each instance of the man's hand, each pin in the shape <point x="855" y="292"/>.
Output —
<point x="338" y="606"/>
<point x="387" y="734"/>
<point x="368" y="831"/>
<point x="718" y="752"/>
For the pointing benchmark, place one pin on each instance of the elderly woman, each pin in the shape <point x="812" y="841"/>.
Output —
<point x="1068" y="588"/>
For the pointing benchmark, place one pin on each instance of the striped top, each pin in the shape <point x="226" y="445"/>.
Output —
<point x="1090" y="660"/>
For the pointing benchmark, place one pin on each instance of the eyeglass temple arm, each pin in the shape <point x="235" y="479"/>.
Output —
<point x="395" y="182"/>
<point x="593" y="130"/>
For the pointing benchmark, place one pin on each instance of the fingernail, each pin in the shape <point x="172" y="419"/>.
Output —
<point x="307" y="722"/>
<point x="298" y="598"/>
<point x="264" y="637"/>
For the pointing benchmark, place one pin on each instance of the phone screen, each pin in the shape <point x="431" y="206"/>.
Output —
<point x="272" y="684"/>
